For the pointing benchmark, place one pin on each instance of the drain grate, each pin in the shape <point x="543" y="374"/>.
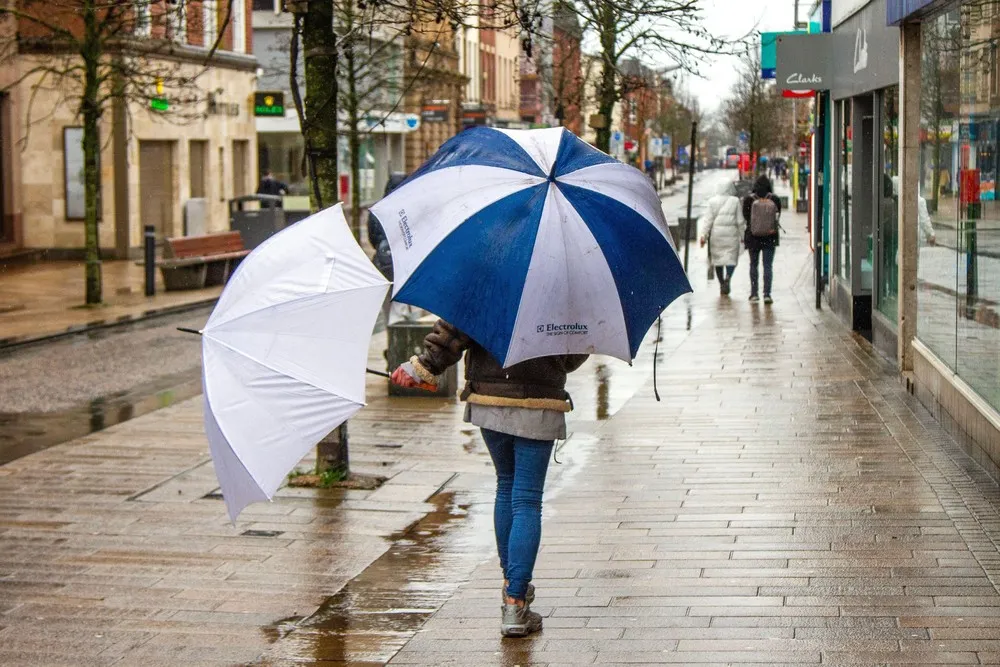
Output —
<point x="262" y="533"/>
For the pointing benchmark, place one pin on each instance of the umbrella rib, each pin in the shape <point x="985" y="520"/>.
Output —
<point x="275" y="370"/>
<point x="209" y="327"/>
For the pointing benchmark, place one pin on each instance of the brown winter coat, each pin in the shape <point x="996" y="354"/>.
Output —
<point x="535" y="383"/>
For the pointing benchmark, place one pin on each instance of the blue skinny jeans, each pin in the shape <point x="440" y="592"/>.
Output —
<point x="520" y="465"/>
<point x="755" y="254"/>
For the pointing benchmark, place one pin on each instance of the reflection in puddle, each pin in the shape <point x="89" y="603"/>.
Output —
<point x="603" y="391"/>
<point x="378" y="611"/>
<point x="26" y="433"/>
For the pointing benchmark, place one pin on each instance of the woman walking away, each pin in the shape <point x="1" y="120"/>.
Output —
<point x="722" y="230"/>
<point x="761" y="211"/>
<point x="521" y="411"/>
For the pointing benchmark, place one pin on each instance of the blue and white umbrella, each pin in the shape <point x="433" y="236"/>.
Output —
<point x="533" y="243"/>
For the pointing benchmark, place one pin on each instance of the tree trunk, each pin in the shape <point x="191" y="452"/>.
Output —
<point x="607" y="89"/>
<point x="91" y="112"/>
<point x="319" y="43"/>
<point x="353" y="134"/>
<point x="332" y="452"/>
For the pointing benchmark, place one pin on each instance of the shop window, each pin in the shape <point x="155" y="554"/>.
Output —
<point x="73" y="176"/>
<point x="958" y="300"/>
<point x="887" y="245"/>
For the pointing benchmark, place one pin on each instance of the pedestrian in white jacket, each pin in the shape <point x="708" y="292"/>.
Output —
<point x="722" y="228"/>
<point x="924" y="225"/>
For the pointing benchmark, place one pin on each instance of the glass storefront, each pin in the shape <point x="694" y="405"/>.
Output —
<point x="887" y="260"/>
<point x="845" y="173"/>
<point x="959" y="216"/>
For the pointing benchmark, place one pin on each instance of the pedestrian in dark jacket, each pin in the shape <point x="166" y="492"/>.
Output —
<point x="269" y="185"/>
<point x="759" y="246"/>
<point x="521" y="411"/>
<point x="376" y="234"/>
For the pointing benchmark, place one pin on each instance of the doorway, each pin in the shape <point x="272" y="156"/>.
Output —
<point x="865" y="202"/>
<point x="156" y="186"/>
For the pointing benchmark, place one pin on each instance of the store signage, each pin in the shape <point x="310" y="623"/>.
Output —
<point x="865" y="53"/>
<point x="861" y="50"/>
<point x="269" y="104"/>
<point x="474" y="116"/>
<point x="897" y="11"/>
<point x="769" y="52"/>
<point x="804" y="63"/>
<point x="435" y="111"/>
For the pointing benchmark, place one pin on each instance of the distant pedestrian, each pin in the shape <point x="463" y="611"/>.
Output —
<point x="761" y="212"/>
<point x="927" y="234"/>
<point x="521" y="411"/>
<point x="924" y="226"/>
<point x="723" y="231"/>
<point x="269" y="185"/>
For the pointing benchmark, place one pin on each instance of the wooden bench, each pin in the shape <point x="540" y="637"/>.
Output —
<point x="193" y="262"/>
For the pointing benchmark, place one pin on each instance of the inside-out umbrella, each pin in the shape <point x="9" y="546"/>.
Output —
<point x="533" y="243"/>
<point x="285" y="352"/>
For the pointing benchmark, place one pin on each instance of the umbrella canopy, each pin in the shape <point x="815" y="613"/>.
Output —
<point x="285" y="352"/>
<point x="533" y="243"/>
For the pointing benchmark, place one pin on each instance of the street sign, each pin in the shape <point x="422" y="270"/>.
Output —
<point x="655" y="147"/>
<point x="269" y="104"/>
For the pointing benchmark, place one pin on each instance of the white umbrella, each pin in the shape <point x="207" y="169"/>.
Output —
<point x="285" y="353"/>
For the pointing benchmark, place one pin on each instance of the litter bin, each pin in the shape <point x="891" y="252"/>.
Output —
<point x="257" y="224"/>
<point x="407" y="339"/>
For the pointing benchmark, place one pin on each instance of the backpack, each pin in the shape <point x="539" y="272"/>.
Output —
<point x="763" y="217"/>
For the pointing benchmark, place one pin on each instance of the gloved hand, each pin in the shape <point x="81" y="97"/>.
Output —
<point x="405" y="376"/>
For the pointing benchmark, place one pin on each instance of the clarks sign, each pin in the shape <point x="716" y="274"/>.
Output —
<point x="804" y="62"/>
<point x="811" y="81"/>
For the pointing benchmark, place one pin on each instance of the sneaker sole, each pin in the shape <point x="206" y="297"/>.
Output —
<point x="519" y="630"/>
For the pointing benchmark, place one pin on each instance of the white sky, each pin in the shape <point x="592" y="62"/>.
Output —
<point x="734" y="18"/>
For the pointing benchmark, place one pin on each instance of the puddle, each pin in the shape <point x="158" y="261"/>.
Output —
<point x="377" y="612"/>
<point x="26" y="433"/>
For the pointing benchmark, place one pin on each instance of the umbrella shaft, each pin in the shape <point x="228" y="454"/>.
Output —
<point x="378" y="373"/>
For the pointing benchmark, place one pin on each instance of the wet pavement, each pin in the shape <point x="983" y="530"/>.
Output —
<point x="46" y="299"/>
<point x="54" y="393"/>
<point x="785" y="503"/>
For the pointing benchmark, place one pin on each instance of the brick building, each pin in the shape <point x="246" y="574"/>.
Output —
<point x="170" y="156"/>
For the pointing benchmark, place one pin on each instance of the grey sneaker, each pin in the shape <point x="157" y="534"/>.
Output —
<point x="768" y="300"/>
<point x="519" y="621"/>
<point x="529" y="597"/>
<point x="754" y="298"/>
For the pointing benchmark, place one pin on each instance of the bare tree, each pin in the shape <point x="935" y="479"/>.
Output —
<point x="101" y="53"/>
<point x="756" y="107"/>
<point x="371" y="85"/>
<point x="939" y="91"/>
<point x="653" y="29"/>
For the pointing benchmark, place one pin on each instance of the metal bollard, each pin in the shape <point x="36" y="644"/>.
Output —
<point x="149" y="246"/>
